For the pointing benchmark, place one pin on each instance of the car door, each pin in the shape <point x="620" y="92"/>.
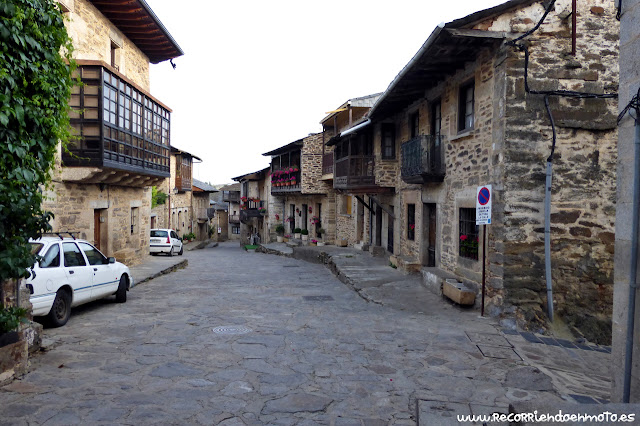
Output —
<point x="105" y="275"/>
<point x="48" y="275"/>
<point x="175" y="242"/>
<point x="79" y="275"/>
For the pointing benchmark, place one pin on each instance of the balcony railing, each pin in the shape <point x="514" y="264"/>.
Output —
<point x="231" y="196"/>
<point x="353" y="172"/>
<point x="234" y="218"/>
<point x="116" y="125"/>
<point x="205" y="213"/>
<point x="327" y="164"/>
<point x="287" y="183"/>
<point x="423" y="159"/>
<point x="248" y="214"/>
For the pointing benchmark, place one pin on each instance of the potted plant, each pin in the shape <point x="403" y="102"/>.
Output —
<point x="10" y="319"/>
<point x="297" y="233"/>
<point x="305" y="234"/>
<point x="320" y="233"/>
<point x="313" y="243"/>
<point x="279" y="232"/>
<point x="286" y="238"/>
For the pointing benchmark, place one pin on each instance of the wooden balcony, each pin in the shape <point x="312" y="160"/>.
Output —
<point x="234" y="218"/>
<point x="290" y="183"/>
<point x="119" y="129"/>
<point x="327" y="164"/>
<point x="249" y="213"/>
<point x="354" y="172"/>
<point x="231" y="196"/>
<point x="205" y="213"/>
<point x="423" y="159"/>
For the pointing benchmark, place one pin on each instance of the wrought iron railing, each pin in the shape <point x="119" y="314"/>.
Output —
<point x="423" y="159"/>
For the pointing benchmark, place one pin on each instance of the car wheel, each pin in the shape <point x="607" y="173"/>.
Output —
<point x="121" y="294"/>
<point x="181" y="250"/>
<point x="61" y="309"/>
<point x="171" y="251"/>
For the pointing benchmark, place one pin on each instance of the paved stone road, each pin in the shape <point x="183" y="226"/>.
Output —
<point x="246" y="338"/>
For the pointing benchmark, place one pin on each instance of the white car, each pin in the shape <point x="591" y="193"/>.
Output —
<point x="165" y="241"/>
<point x="71" y="272"/>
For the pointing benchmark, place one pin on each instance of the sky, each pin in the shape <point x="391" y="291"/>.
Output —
<point x="257" y="75"/>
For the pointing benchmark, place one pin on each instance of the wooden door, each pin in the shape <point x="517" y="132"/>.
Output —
<point x="429" y="240"/>
<point x="96" y="229"/>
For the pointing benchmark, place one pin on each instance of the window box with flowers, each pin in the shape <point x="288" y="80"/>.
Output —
<point x="411" y="222"/>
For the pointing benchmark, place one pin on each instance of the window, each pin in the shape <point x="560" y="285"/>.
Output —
<point x="347" y="201"/>
<point x="93" y="256"/>
<point x="468" y="239"/>
<point x="465" y="107"/>
<point x="414" y="124"/>
<point x="411" y="222"/>
<point x="52" y="258"/>
<point x="235" y="230"/>
<point x="388" y="141"/>
<point x="72" y="255"/>
<point x="115" y="53"/>
<point x="134" y="220"/>
<point x="436" y="118"/>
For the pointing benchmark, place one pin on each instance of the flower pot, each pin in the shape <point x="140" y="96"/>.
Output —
<point x="313" y="244"/>
<point x="297" y="235"/>
<point x="320" y="243"/>
<point x="285" y="240"/>
<point x="9" y="338"/>
<point x="305" y="237"/>
<point x="280" y="239"/>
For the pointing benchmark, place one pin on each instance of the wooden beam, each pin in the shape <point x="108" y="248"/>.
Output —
<point x="365" y="204"/>
<point x="476" y="33"/>
<point x="389" y="212"/>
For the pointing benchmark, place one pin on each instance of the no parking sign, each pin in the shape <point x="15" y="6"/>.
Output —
<point x="483" y="205"/>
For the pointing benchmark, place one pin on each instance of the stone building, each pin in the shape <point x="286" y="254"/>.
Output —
<point x="629" y="137"/>
<point x="178" y="211"/>
<point x="202" y="211"/>
<point x="231" y="196"/>
<point x="344" y="197"/>
<point x="102" y="182"/>
<point x="254" y="193"/>
<point x="463" y="113"/>
<point x="299" y="198"/>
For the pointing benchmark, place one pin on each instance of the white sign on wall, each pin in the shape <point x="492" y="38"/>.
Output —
<point x="483" y="205"/>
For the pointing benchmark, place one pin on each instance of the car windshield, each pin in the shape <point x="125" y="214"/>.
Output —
<point x="156" y="233"/>
<point x="35" y="247"/>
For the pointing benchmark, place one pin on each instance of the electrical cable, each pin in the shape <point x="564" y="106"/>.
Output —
<point x="619" y="13"/>
<point x="634" y="104"/>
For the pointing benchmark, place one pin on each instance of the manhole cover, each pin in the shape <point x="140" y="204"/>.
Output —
<point x="232" y="329"/>
<point x="318" y="298"/>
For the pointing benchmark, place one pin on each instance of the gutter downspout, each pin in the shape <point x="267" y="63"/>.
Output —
<point x="356" y="128"/>
<point x="633" y="268"/>
<point x="547" y="217"/>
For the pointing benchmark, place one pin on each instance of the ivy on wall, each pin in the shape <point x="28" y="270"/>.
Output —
<point x="35" y="87"/>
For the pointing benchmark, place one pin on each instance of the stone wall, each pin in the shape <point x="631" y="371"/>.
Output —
<point x="14" y="358"/>
<point x="92" y="35"/>
<point x="74" y="204"/>
<point x="311" y="167"/>
<point x="629" y="86"/>
<point x="583" y="191"/>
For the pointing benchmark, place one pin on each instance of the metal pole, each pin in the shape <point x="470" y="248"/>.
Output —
<point x="547" y="241"/>
<point x="484" y="238"/>
<point x="574" y="12"/>
<point x="633" y="269"/>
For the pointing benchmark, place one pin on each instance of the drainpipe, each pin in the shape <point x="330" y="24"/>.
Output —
<point x="633" y="267"/>
<point x="547" y="217"/>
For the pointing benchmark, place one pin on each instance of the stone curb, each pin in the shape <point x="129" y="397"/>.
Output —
<point x="165" y="271"/>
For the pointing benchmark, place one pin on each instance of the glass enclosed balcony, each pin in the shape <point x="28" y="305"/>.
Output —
<point x="117" y="125"/>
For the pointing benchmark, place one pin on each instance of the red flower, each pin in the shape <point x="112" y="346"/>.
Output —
<point x="463" y="238"/>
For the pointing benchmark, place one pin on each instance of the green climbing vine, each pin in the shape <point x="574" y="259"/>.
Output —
<point x="35" y="86"/>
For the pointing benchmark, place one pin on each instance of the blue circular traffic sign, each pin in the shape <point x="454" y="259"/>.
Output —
<point x="483" y="196"/>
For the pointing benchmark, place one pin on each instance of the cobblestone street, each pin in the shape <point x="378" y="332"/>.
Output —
<point x="247" y="338"/>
